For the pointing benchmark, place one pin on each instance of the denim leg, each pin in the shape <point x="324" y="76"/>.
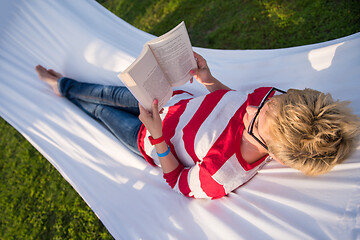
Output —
<point x="125" y="126"/>
<point x="115" y="96"/>
<point x="113" y="106"/>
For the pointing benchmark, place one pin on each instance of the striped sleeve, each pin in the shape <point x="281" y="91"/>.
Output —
<point x="195" y="182"/>
<point x="199" y="182"/>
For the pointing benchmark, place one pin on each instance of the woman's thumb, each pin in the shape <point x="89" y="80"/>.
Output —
<point x="155" y="107"/>
<point x="193" y="72"/>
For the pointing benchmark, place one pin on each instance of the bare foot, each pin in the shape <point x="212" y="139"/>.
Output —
<point x="56" y="74"/>
<point x="49" y="76"/>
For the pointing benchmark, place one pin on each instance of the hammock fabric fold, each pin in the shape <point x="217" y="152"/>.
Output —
<point x="84" y="41"/>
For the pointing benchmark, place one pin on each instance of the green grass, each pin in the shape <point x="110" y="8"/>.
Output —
<point x="235" y="24"/>
<point x="37" y="203"/>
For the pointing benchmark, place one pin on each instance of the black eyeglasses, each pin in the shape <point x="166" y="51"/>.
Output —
<point x="262" y="103"/>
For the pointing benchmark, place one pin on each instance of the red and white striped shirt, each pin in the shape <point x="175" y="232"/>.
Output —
<point x="204" y="134"/>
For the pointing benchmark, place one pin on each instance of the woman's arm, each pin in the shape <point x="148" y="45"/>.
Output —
<point x="194" y="182"/>
<point x="153" y="124"/>
<point x="203" y="75"/>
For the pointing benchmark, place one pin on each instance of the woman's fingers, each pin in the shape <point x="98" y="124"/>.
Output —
<point x="152" y="121"/>
<point x="201" y="62"/>
<point x="197" y="55"/>
<point x="142" y="109"/>
<point x="194" y="71"/>
<point x="146" y="115"/>
<point x="155" y="110"/>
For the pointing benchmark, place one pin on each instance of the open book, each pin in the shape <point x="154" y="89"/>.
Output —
<point x="164" y="63"/>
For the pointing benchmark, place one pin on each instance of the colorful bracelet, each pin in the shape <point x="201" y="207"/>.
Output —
<point x="165" y="153"/>
<point x="156" y="141"/>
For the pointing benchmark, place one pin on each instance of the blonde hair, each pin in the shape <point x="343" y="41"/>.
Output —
<point x="311" y="132"/>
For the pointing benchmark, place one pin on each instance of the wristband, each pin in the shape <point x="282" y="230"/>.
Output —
<point x="165" y="153"/>
<point x="156" y="141"/>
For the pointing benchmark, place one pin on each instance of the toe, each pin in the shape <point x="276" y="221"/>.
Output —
<point x="56" y="74"/>
<point x="39" y="68"/>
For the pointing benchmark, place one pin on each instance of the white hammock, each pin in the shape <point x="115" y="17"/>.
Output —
<point x="84" y="41"/>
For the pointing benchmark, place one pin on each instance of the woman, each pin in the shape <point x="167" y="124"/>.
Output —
<point x="208" y="146"/>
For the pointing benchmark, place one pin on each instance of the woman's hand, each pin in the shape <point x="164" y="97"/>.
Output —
<point x="202" y="73"/>
<point x="152" y="121"/>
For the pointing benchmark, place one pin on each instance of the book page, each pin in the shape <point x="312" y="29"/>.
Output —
<point x="145" y="80"/>
<point x="174" y="54"/>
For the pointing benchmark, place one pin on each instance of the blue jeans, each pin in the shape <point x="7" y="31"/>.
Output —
<point x="114" y="106"/>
